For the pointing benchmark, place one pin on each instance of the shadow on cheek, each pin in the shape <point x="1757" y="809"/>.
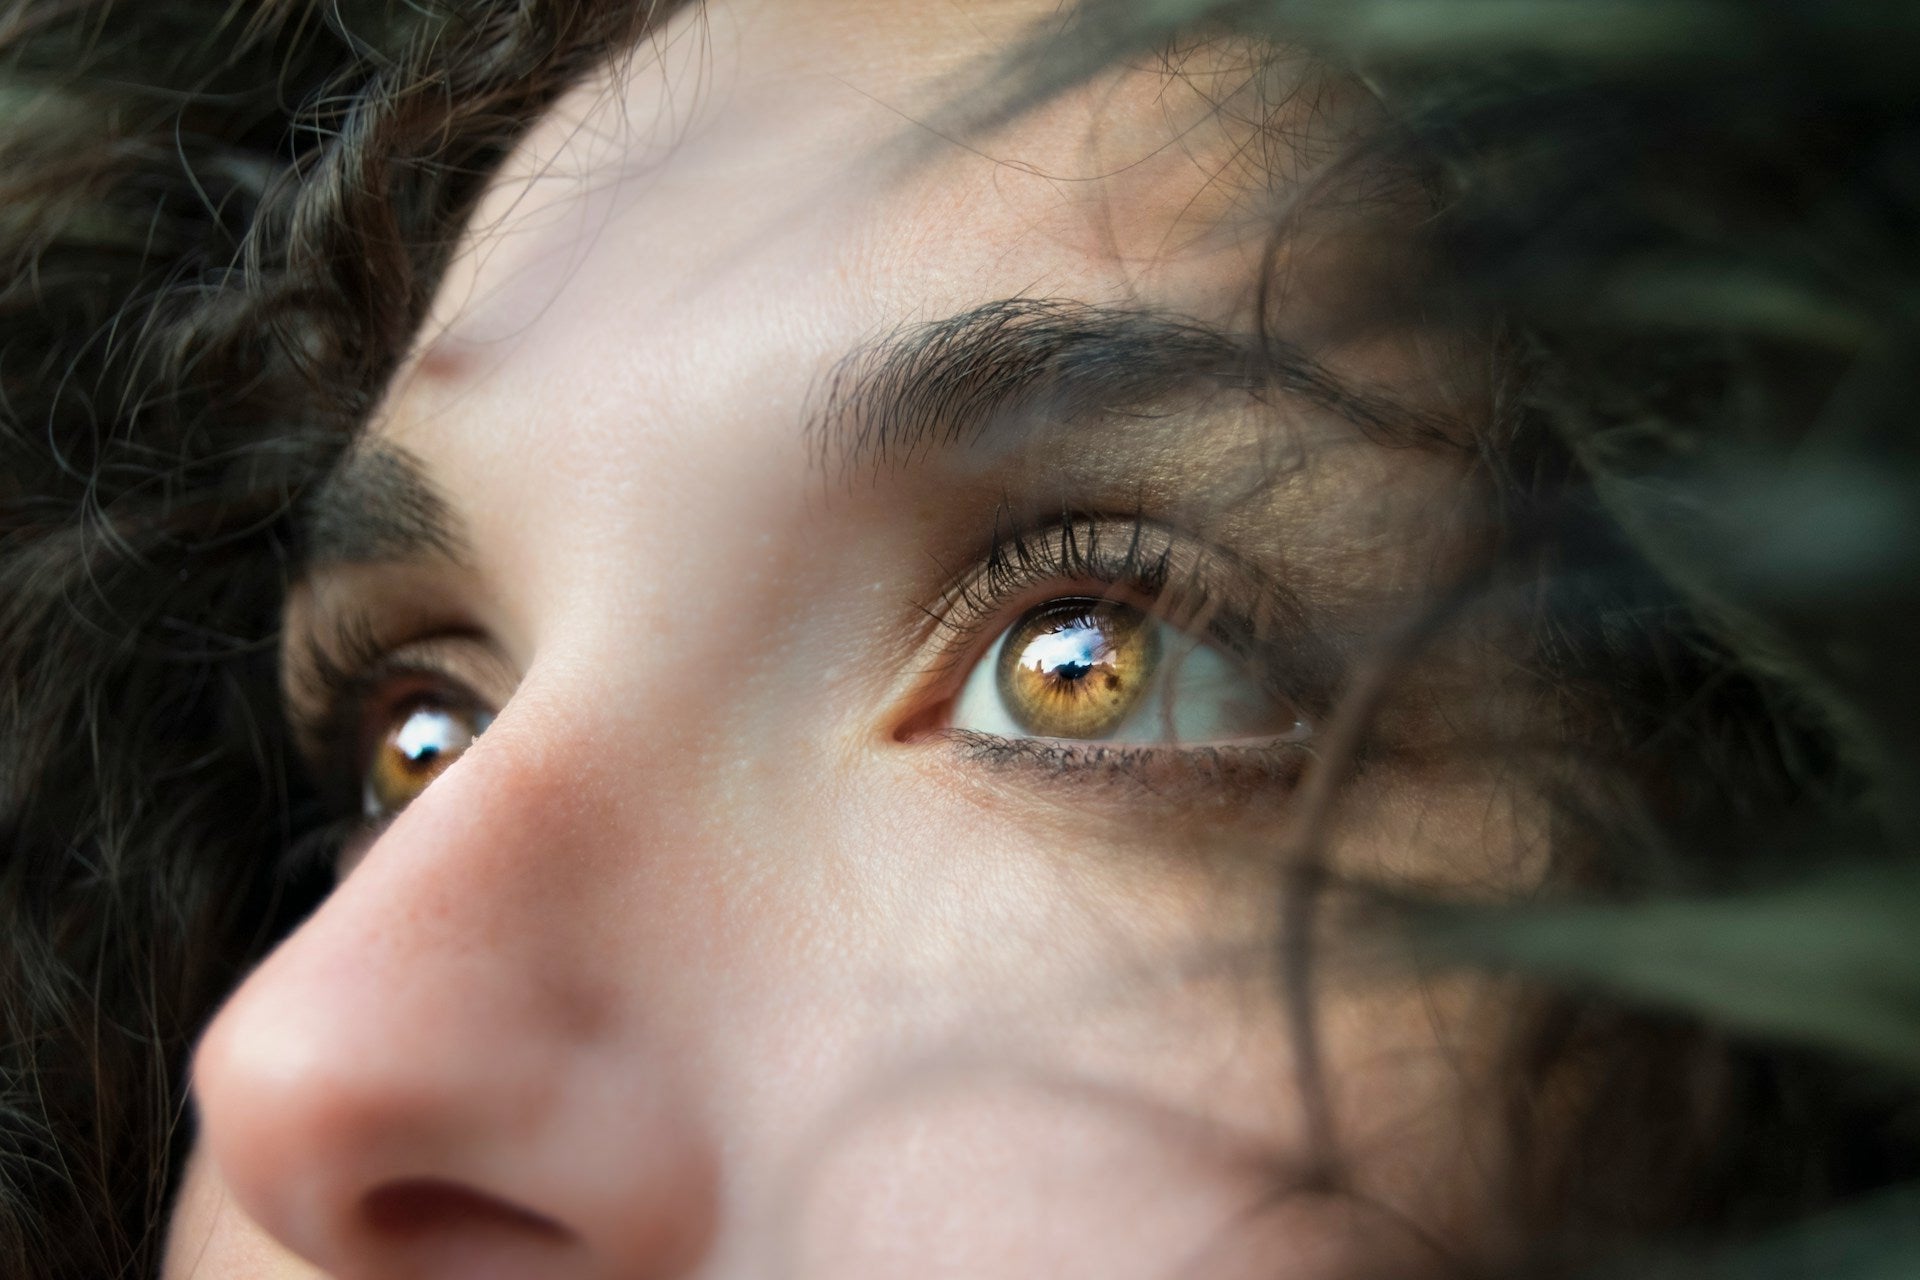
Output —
<point x="1020" y="1180"/>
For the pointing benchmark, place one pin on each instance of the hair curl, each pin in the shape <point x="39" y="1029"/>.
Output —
<point x="1691" y="224"/>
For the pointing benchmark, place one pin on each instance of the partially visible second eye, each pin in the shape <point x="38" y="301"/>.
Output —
<point x="1093" y="669"/>
<point x="420" y="740"/>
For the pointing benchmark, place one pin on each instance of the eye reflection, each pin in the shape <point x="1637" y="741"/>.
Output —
<point x="1076" y="668"/>
<point x="1081" y="668"/>
<point x="419" y="742"/>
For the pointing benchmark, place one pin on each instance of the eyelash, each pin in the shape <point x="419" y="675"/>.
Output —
<point x="1173" y="577"/>
<point x="1144" y="767"/>
<point x="351" y="680"/>
<point x="1190" y="584"/>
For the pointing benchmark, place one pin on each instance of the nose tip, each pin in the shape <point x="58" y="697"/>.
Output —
<point x="446" y="1160"/>
<point x="400" y="1092"/>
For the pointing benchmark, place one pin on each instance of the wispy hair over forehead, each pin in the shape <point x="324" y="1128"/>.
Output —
<point x="1690" y="224"/>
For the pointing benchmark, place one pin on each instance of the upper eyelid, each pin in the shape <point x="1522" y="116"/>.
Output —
<point x="1074" y="548"/>
<point x="336" y="656"/>
<point x="336" y="665"/>
<point x="1207" y="589"/>
<point x="344" y="618"/>
<point x="328" y="657"/>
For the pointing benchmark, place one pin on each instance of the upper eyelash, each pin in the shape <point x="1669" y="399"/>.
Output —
<point x="341" y="673"/>
<point x="340" y="677"/>
<point x="1075" y="547"/>
<point x="1145" y="557"/>
<point x="335" y="677"/>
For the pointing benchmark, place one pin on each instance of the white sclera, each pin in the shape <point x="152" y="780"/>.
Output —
<point x="429" y="732"/>
<point x="1196" y="695"/>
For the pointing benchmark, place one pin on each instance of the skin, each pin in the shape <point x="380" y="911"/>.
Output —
<point x="719" y="954"/>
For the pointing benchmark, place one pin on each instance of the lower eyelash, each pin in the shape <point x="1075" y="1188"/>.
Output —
<point x="1169" y="772"/>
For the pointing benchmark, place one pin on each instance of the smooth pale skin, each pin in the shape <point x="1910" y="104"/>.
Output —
<point x="713" y="957"/>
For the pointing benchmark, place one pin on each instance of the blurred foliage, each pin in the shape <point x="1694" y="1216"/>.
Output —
<point x="1875" y="1239"/>
<point x="1695" y="225"/>
<point x="1831" y="962"/>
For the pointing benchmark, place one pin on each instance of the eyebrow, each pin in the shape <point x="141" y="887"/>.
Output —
<point x="921" y="389"/>
<point x="378" y="504"/>
<point x="952" y="383"/>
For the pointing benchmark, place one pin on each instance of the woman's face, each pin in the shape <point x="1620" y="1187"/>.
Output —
<point x="897" y="672"/>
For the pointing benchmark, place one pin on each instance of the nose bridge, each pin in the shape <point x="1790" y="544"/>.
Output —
<point x="455" y="1047"/>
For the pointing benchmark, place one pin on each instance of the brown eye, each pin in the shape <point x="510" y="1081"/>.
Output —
<point x="1083" y="668"/>
<point x="1077" y="668"/>
<point x="421" y="739"/>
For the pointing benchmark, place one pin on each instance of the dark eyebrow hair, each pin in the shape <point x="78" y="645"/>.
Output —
<point x="951" y="382"/>
<point x="377" y="504"/>
<point x="922" y="388"/>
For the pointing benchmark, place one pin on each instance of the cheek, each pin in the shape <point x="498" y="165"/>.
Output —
<point x="210" y="1239"/>
<point x="1079" y="1076"/>
<point x="1021" y="1176"/>
<point x="999" y="1177"/>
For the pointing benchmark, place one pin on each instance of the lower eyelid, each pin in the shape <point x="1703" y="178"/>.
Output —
<point x="1169" y="773"/>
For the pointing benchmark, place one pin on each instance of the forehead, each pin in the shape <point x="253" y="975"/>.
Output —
<point x="678" y="256"/>
<point x="759" y="160"/>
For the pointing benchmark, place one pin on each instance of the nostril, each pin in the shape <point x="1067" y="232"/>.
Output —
<point x="426" y="1206"/>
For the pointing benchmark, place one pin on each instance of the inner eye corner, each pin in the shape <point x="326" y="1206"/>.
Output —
<point x="924" y="723"/>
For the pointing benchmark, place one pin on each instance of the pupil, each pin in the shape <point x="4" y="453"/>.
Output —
<point x="1070" y="652"/>
<point x="1077" y="668"/>
<point x="424" y="738"/>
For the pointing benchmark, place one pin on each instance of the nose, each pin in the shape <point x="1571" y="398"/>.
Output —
<point x="444" y="1073"/>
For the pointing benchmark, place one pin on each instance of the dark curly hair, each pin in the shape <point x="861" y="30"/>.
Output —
<point x="1692" y="226"/>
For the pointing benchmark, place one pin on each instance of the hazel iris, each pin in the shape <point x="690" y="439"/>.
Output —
<point x="1077" y="668"/>
<point x="418" y="745"/>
